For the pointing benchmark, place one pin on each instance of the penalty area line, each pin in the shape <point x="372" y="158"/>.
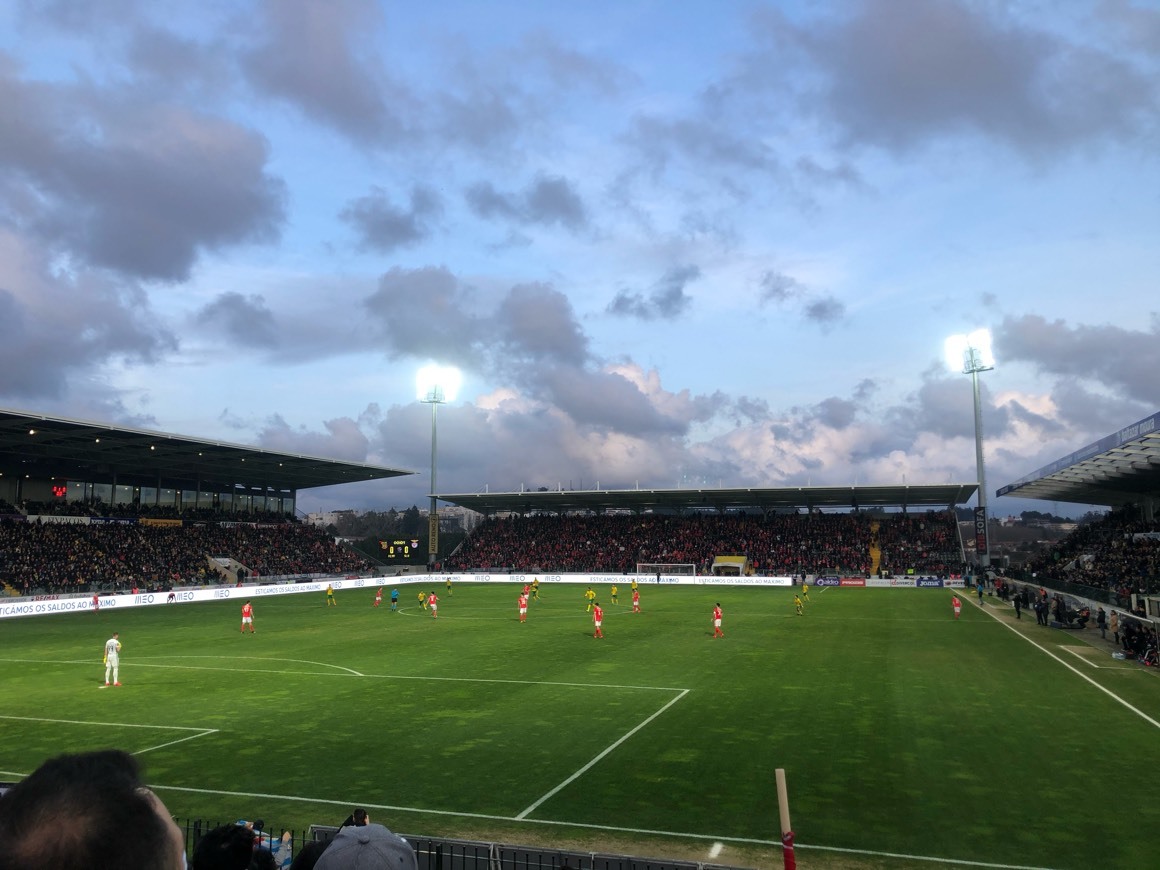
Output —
<point x="106" y="724"/>
<point x="204" y="733"/>
<point x="200" y="732"/>
<point x="583" y="770"/>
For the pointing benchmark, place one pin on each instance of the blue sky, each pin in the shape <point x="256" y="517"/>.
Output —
<point x="690" y="244"/>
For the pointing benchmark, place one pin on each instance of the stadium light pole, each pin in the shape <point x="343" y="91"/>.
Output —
<point x="971" y="354"/>
<point x="435" y="385"/>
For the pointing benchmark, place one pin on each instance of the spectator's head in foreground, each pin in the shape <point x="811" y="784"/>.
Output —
<point x="367" y="847"/>
<point x="226" y="847"/>
<point x="90" y="811"/>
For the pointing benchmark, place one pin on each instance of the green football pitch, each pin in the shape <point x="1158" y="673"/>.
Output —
<point x="908" y="739"/>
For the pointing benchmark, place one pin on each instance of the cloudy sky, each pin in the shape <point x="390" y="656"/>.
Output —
<point x="668" y="244"/>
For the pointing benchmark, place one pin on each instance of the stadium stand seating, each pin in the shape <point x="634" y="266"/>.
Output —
<point x="49" y="557"/>
<point x="1108" y="560"/>
<point x="780" y="544"/>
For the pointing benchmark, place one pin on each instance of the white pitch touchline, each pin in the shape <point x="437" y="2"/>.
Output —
<point x="599" y="757"/>
<point x="1079" y="673"/>
<point x="956" y="861"/>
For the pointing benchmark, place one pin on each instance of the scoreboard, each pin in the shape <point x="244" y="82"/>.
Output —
<point x="400" y="548"/>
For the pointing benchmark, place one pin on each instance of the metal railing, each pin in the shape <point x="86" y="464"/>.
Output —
<point x="444" y="853"/>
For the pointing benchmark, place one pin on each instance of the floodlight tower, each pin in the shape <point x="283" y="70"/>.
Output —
<point x="971" y="354"/>
<point x="435" y="385"/>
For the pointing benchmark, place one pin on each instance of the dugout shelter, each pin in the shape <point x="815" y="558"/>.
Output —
<point x="47" y="459"/>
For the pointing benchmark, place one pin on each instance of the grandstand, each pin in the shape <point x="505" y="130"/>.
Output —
<point x="1120" y="469"/>
<point x="55" y="459"/>
<point x="129" y="508"/>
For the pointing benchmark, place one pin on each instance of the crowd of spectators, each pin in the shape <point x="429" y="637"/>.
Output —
<point x="1119" y="554"/>
<point x="926" y="543"/>
<point x="51" y="557"/>
<point x="781" y="544"/>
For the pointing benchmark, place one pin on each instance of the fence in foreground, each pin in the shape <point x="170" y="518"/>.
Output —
<point x="441" y="853"/>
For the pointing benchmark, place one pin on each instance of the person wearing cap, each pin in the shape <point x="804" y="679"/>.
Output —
<point x="367" y="847"/>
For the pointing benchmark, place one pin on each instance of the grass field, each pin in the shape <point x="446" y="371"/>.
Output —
<point x="904" y="735"/>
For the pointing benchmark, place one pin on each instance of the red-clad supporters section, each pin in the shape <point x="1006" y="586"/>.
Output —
<point x="775" y="544"/>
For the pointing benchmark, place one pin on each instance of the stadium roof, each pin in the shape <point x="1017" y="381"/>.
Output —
<point x="54" y="447"/>
<point x="675" y="500"/>
<point x="1121" y="468"/>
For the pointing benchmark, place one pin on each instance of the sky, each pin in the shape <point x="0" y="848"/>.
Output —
<point x="689" y="244"/>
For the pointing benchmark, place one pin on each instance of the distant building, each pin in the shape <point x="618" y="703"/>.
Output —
<point x="460" y="517"/>
<point x="328" y="518"/>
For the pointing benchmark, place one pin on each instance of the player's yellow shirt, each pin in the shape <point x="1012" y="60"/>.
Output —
<point x="633" y="585"/>
<point x="590" y="595"/>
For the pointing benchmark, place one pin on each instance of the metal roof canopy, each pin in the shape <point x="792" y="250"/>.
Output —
<point x="675" y="500"/>
<point x="98" y="452"/>
<point x="1119" y="469"/>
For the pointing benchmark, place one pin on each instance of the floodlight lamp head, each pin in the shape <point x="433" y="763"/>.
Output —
<point x="438" y="384"/>
<point x="970" y="353"/>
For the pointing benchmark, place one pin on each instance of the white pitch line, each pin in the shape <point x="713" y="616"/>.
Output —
<point x="105" y="724"/>
<point x="1077" y="672"/>
<point x="599" y="757"/>
<point x="1115" y="669"/>
<point x="1075" y="653"/>
<point x="137" y="663"/>
<point x="956" y="861"/>
<point x="175" y="742"/>
<point x="270" y="659"/>
<point x="201" y="732"/>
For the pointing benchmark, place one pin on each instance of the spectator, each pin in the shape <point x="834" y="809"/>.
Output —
<point x="226" y="847"/>
<point x="357" y="819"/>
<point x="87" y="812"/>
<point x="367" y="847"/>
<point x="308" y="855"/>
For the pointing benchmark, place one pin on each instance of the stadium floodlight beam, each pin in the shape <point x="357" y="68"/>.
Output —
<point x="972" y="354"/>
<point x="435" y="385"/>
